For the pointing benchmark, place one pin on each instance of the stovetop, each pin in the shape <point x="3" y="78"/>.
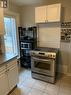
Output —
<point x="45" y="52"/>
<point x="46" y="49"/>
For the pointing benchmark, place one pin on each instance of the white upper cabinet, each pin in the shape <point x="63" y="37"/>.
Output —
<point x="50" y="13"/>
<point x="40" y="14"/>
<point x="53" y="12"/>
<point x="1" y="21"/>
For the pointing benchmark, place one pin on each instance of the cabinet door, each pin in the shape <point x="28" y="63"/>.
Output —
<point x="1" y="21"/>
<point x="4" y="90"/>
<point x="40" y="14"/>
<point x="13" y="76"/>
<point x="53" y="12"/>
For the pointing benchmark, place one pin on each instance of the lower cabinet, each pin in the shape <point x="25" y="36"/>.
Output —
<point x="13" y="76"/>
<point x="4" y="84"/>
<point x="8" y="77"/>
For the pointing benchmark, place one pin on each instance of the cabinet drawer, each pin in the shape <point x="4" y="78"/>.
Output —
<point x="12" y="63"/>
<point x="2" y="68"/>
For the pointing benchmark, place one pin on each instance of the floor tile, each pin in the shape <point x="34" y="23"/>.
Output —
<point x="52" y="89"/>
<point x="27" y="73"/>
<point x="65" y="87"/>
<point x="45" y="94"/>
<point x="35" y="92"/>
<point x="22" y="90"/>
<point x="66" y="92"/>
<point x="40" y="85"/>
<point x="29" y="82"/>
<point x="29" y="86"/>
<point x="66" y="81"/>
<point x="21" y="79"/>
<point x="23" y="75"/>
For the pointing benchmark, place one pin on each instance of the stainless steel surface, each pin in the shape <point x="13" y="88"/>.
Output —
<point x="43" y="64"/>
<point x="47" y="69"/>
<point x="43" y="77"/>
<point x="7" y="57"/>
<point x="46" y="54"/>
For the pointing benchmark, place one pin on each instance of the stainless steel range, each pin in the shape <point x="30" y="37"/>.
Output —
<point x="43" y="64"/>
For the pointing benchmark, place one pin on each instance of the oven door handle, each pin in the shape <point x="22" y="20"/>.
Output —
<point x="38" y="59"/>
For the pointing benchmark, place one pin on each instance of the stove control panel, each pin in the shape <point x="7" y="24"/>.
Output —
<point x="51" y="55"/>
<point x="45" y="54"/>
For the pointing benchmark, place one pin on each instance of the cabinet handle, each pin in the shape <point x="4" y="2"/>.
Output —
<point x="8" y="70"/>
<point x="5" y="71"/>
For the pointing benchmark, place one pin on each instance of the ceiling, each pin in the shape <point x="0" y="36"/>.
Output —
<point x="26" y="2"/>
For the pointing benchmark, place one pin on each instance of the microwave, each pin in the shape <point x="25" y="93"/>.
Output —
<point x="26" y="45"/>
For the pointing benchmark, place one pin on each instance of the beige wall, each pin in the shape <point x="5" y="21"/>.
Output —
<point x="27" y="15"/>
<point x="65" y="54"/>
<point x="13" y="7"/>
<point x="49" y="35"/>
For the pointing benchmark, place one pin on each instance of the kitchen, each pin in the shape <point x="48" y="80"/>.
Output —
<point x="49" y="34"/>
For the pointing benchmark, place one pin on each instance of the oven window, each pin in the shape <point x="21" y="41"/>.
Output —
<point x="43" y="65"/>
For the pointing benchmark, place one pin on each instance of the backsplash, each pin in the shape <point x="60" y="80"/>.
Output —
<point x="49" y="35"/>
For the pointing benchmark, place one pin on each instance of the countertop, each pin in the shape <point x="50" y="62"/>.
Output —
<point x="6" y="57"/>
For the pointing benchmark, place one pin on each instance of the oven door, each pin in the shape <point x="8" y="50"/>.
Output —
<point x="43" y="66"/>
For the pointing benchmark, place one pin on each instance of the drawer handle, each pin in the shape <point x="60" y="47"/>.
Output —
<point x="7" y="71"/>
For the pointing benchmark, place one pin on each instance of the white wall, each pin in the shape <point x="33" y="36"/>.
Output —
<point x="49" y="35"/>
<point x="66" y="57"/>
<point x="65" y="49"/>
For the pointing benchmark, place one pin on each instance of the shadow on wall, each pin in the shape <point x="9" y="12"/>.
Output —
<point x="62" y="14"/>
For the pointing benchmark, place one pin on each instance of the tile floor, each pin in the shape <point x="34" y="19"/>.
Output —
<point x="29" y="86"/>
